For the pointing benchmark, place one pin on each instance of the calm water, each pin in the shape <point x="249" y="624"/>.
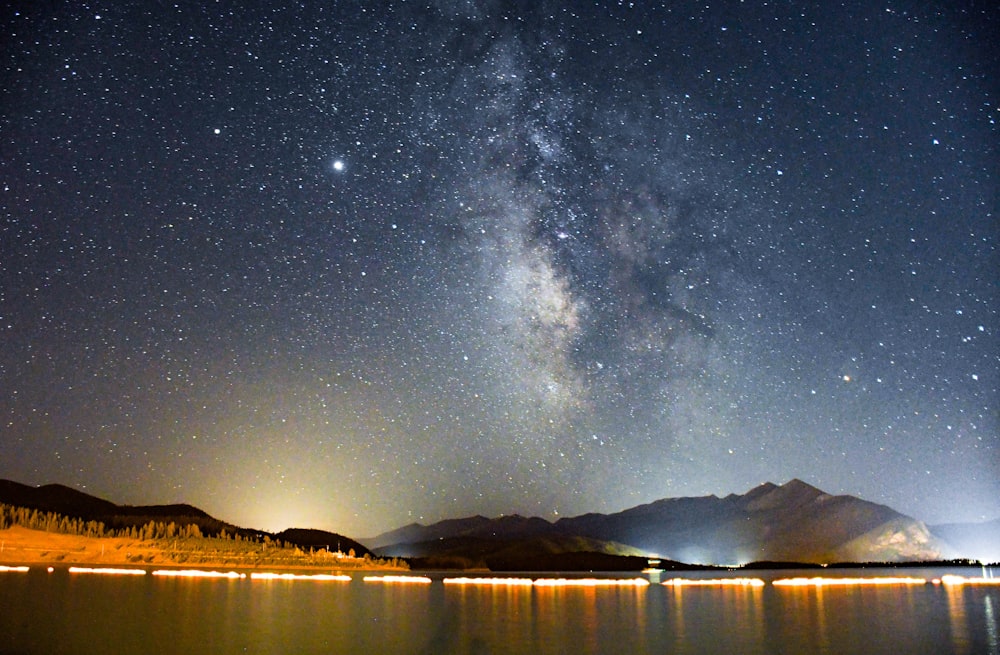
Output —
<point x="60" y="612"/>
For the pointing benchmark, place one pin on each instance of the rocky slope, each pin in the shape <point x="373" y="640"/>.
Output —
<point x="791" y="522"/>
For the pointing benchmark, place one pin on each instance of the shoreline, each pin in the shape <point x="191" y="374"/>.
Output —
<point x="21" y="546"/>
<point x="25" y="547"/>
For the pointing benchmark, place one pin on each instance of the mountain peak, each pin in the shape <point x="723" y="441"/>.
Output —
<point x="762" y="488"/>
<point x="799" y="486"/>
<point x="769" y="496"/>
<point x="792" y="521"/>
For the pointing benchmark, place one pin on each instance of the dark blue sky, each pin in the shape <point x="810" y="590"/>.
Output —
<point x="350" y="268"/>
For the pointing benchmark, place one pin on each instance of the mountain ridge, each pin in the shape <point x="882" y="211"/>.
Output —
<point x="794" y="521"/>
<point x="980" y="541"/>
<point x="72" y="503"/>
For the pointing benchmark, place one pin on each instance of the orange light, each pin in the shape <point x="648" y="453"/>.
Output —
<point x="828" y="582"/>
<point x="198" y="574"/>
<point x="399" y="579"/>
<point x="105" y="571"/>
<point x="962" y="580"/>
<point x="510" y="582"/>
<point x="14" y="569"/>
<point x="591" y="582"/>
<point x="320" y="577"/>
<point x="715" y="582"/>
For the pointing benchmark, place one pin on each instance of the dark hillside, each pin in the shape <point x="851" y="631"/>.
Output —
<point x="321" y="539"/>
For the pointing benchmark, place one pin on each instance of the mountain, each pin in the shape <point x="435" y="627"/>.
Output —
<point x="795" y="521"/>
<point x="415" y="532"/>
<point x="311" y="538"/>
<point x="979" y="541"/>
<point x="498" y="552"/>
<point x="505" y="527"/>
<point x="69" y="502"/>
<point x="65" y="500"/>
<point x="791" y="522"/>
<point x="55" y="498"/>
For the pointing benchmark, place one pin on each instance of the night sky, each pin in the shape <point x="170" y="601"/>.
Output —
<point x="347" y="268"/>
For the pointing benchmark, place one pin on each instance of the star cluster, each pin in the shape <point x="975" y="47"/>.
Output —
<point x="349" y="266"/>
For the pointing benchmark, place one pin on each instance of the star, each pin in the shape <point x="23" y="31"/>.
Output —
<point x="537" y="230"/>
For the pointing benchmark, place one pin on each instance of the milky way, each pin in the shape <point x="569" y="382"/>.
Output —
<point x="350" y="268"/>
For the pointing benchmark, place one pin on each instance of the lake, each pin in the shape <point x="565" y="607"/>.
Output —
<point x="79" y="613"/>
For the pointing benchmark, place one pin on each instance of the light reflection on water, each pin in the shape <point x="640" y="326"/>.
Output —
<point x="80" y="614"/>
<point x="728" y="618"/>
<point x="962" y="601"/>
<point x="956" y="612"/>
<point x="992" y="627"/>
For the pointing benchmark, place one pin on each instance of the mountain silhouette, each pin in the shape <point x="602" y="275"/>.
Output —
<point x="791" y="522"/>
<point x="72" y="503"/>
<point x="794" y="521"/>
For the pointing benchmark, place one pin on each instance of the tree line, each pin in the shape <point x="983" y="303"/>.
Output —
<point x="33" y="519"/>
<point x="187" y="542"/>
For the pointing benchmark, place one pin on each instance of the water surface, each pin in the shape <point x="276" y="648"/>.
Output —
<point x="60" y="612"/>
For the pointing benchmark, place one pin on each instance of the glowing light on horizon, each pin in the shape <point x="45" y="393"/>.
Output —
<point x="843" y="582"/>
<point x="319" y="577"/>
<point x="714" y="582"/>
<point x="190" y="573"/>
<point x="106" y="571"/>
<point x="399" y="579"/>
<point x="508" y="582"/>
<point x="14" y="569"/>
<point x="954" y="580"/>
<point x="591" y="582"/>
